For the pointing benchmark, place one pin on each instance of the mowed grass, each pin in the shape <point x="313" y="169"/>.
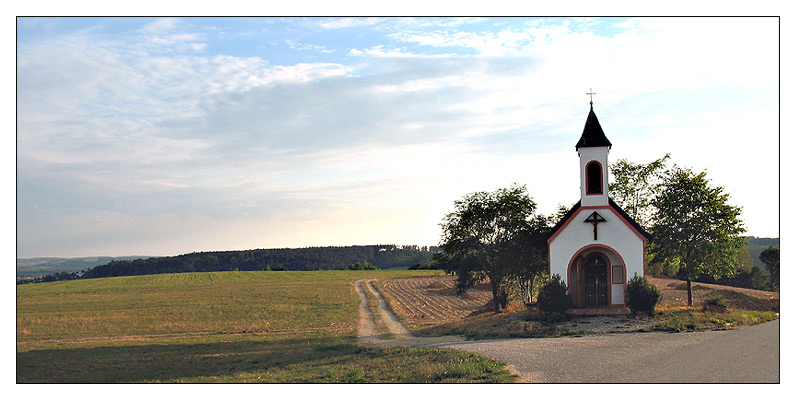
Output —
<point x="253" y="326"/>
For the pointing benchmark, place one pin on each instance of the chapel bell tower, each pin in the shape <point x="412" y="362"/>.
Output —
<point x="593" y="149"/>
<point x="596" y="247"/>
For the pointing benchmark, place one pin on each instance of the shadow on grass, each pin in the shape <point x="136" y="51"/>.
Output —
<point x="254" y="359"/>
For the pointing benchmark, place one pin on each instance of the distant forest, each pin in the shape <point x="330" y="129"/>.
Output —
<point x="304" y="259"/>
<point x="32" y="270"/>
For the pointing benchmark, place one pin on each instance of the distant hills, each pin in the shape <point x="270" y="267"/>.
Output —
<point x="36" y="267"/>
<point x="387" y="256"/>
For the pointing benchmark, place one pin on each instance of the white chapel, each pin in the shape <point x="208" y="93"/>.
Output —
<point x="596" y="247"/>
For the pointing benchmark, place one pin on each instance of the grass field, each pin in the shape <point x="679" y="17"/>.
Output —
<point x="218" y="327"/>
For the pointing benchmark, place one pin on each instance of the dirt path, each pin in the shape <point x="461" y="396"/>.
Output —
<point x="367" y="331"/>
<point x="378" y="325"/>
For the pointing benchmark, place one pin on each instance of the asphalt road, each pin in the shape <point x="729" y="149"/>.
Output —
<point x="747" y="354"/>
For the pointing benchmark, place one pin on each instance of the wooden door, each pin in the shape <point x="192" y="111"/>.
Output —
<point x="596" y="277"/>
<point x="581" y="283"/>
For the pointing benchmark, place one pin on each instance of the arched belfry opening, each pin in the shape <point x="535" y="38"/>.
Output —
<point x="594" y="178"/>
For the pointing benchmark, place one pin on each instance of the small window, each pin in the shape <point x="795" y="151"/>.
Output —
<point x="594" y="178"/>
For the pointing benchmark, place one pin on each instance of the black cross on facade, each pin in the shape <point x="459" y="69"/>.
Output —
<point x="595" y="219"/>
<point x="591" y="101"/>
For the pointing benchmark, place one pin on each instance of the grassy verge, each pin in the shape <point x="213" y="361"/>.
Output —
<point x="218" y="327"/>
<point x="682" y="319"/>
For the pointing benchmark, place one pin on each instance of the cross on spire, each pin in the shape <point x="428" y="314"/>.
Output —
<point x="591" y="101"/>
<point x="595" y="219"/>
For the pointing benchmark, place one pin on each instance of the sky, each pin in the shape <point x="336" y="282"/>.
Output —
<point x="163" y="136"/>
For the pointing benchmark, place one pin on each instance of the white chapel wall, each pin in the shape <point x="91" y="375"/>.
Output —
<point x="613" y="233"/>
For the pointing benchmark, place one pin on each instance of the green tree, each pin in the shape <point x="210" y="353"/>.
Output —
<point x="770" y="257"/>
<point x="360" y="266"/>
<point x="745" y="261"/>
<point x="495" y="235"/>
<point x="694" y="227"/>
<point x="635" y="185"/>
<point x="561" y="212"/>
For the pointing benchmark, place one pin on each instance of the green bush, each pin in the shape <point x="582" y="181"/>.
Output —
<point x="642" y="295"/>
<point x="553" y="296"/>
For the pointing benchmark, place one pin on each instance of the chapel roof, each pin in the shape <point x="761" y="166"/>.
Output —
<point x="593" y="135"/>
<point x="572" y="211"/>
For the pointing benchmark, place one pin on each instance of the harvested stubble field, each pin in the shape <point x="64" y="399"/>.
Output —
<point x="429" y="306"/>
<point x="675" y="294"/>
<point x="427" y="302"/>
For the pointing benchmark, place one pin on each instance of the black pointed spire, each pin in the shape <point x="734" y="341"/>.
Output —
<point x="593" y="135"/>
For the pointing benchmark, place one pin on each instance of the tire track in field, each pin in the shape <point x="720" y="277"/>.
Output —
<point x="389" y="319"/>
<point x="367" y="331"/>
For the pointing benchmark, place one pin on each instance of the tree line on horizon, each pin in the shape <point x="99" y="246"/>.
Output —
<point x="301" y="259"/>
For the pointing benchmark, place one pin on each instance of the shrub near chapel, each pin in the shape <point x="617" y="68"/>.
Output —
<point x="642" y="295"/>
<point x="553" y="296"/>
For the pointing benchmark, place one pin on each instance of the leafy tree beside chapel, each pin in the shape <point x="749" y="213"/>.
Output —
<point x="496" y="235"/>
<point x="696" y="232"/>
<point x="635" y="186"/>
<point x="695" y="228"/>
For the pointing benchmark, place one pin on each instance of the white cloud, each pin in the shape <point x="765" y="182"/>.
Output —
<point x="340" y="23"/>
<point x="161" y="26"/>
<point x="507" y="42"/>
<point x="308" y="47"/>
<point x="169" y="35"/>
<point x="384" y="51"/>
<point x="305" y="72"/>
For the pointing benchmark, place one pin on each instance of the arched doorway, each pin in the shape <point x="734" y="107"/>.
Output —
<point x="595" y="279"/>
